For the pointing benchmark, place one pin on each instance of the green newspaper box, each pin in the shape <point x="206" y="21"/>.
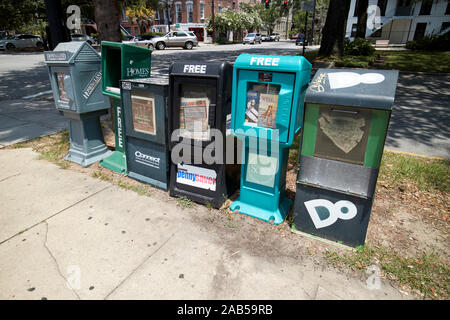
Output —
<point x="120" y="62"/>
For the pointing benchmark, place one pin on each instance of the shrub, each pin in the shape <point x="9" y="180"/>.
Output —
<point x="433" y="43"/>
<point x="358" y="47"/>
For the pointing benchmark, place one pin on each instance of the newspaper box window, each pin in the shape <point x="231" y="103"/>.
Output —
<point x="346" y="119"/>
<point x="267" y="114"/>
<point x="145" y="105"/>
<point x="200" y="102"/>
<point x="120" y="62"/>
<point x="75" y="77"/>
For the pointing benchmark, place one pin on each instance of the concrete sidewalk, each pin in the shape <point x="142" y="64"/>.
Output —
<point x="61" y="226"/>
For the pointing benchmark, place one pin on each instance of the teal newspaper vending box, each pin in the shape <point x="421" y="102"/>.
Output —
<point x="267" y="113"/>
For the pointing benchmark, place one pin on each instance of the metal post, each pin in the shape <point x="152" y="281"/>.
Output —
<point x="213" y="24"/>
<point x="312" y="23"/>
<point x="304" y="39"/>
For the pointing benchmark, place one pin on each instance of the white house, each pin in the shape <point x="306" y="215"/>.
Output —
<point x="400" y="21"/>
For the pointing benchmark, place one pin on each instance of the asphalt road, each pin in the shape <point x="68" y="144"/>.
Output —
<point x="419" y="123"/>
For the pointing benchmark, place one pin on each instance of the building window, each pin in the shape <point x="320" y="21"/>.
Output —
<point x="190" y="12"/>
<point x="425" y="9"/>
<point x="354" y="28"/>
<point x="420" y="31"/>
<point x="157" y="15"/>
<point x="233" y="6"/>
<point x="136" y="30"/>
<point x="445" y="25"/>
<point x="382" y="5"/>
<point x="202" y="10"/>
<point x="447" y="11"/>
<point x="377" y="34"/>
<point x="220" y="8"/>
<point x="178" y="12"/>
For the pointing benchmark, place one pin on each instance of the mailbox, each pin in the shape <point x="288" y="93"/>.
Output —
<point x="119" y="62"/>
<point x="203" y="166"/>
<point x="74" y="70"/>
<point x="346" y="120"/>
<point x="145" y="106"/>
<point x="267" y="114"/>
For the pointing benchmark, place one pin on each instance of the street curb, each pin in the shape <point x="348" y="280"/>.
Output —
<point x="416" y="154"/>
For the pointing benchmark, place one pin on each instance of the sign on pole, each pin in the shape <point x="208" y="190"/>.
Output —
<point x="307" y="6"/>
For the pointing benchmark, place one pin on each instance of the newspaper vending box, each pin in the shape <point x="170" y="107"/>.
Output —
<point x="346" y="120"/>
<point x="203" y="165"/>
<point x="267" y="113"/>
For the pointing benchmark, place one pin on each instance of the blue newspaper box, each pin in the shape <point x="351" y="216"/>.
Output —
<point x="267" y="114"/>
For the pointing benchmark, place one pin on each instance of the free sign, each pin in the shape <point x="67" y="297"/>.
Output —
<point x="264" y="61"/>
<point x="190" y="68"/>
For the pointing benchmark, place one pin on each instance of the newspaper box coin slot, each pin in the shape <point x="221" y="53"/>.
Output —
<point x="267" y="114"/>
<point x="145" y="106"/>
<point x="346" y="119"/>
<point x="199" y="121"/>
<point x="121" y="61"/>
<point x="75" y="77"/>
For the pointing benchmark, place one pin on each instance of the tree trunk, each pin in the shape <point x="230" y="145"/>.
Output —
<point x="362" y="18"/>
<point x="107" y="18"/>
<point x="334" y="30"/>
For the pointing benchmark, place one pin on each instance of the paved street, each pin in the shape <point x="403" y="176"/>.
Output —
<point x="419" y="124"/>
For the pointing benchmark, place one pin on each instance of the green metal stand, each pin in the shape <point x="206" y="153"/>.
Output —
<point x="117" y="162"/>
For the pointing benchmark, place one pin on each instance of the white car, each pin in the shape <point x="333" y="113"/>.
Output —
<point x="21" y="41"/>
<point x="252" y="38"/>
<point x="82" y="37"/>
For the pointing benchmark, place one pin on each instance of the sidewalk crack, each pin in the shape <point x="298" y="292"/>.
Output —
<point x="135" y="269"/>
<point x="56" y="262"/>
<point x="14" y="175"/>
<point x="53" y="215"/>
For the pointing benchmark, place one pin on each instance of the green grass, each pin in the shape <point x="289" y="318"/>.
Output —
<point x="52" y="148"/>
<point x="141" y="189"/>
<point x="294" y="150"/>
<point x="184" y="202"/>
<point x="427" y="273"/>
<point x="426" y="174"/>
<point x="414" y="61"/>
<point x="424" y="61"/>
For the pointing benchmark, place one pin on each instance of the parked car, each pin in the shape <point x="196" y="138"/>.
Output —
<point x="296" y="36"/>
<point x="275" y="37"/>
<point x="252" y="38"/>
<point x="300" y="40"/>
<point x="265" y="37"/>
<point x="186" y="40"/>
<point x="82" y="37"/>
<point x="21" y="41"/>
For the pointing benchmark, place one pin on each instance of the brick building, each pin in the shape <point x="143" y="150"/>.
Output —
<point x="190" y="15"/>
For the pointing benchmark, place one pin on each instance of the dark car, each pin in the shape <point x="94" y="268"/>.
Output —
<point x="301" y="38"/>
